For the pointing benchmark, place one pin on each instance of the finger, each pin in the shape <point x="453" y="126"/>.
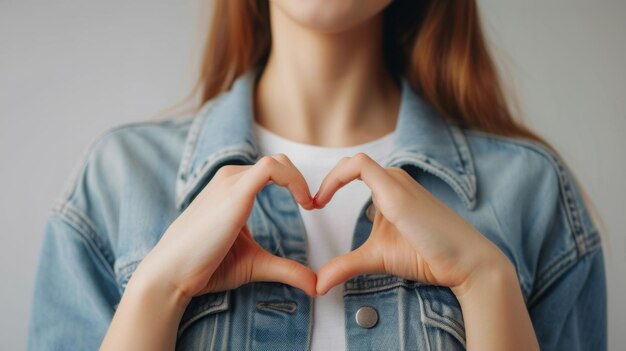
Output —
<point x="301" y="182"/>
<point x="362" y="167"/>
<point x="344" y="267"/>
<point x="269" y="169"/>
<point x="270" y="268"/>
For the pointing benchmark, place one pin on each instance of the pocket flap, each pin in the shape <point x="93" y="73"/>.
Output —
<point x="441" y="309"/>
<point x="204" y="305"/>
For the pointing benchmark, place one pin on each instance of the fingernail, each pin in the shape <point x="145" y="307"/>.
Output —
<point x="315" y="201"/>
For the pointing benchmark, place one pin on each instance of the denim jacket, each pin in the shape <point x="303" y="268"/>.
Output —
<point x="136" y="178"/>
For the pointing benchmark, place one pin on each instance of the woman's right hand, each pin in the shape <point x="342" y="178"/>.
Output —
<point x="209" y="247"/>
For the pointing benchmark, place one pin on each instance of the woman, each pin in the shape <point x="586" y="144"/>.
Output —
<point x="204" y="233"/>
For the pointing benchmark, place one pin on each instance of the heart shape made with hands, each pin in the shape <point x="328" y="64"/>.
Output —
<point x="414" y="235"/>
<point x="387" y="249"/>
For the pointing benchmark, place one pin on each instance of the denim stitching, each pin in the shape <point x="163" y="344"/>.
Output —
<point x="218" y="305"/>
<point x="561" y="265"/>
<point x="192" y="139"/>
<point x="432" y="318"/>
<point x="568" y="205"/>
<point x="423" y="318"/>
<point x="125" y="271"/>
<point x="574" y="210"/>
<point x="466" y="157"/>
<point x="377" y="285"/>
<point x="581" y="234"/>
<point x="265" y="224"/>
<point x="460" y="184"/>
<point x="282" y="306"/>
<point x="525" y="284"/>
<point x="84" y="228"/>
<point x="232" y="153"/>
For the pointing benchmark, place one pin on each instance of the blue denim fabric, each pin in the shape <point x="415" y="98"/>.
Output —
<point x="135" y="179"/>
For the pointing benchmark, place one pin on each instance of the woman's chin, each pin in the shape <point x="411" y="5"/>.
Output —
<point x="330" y="16"/>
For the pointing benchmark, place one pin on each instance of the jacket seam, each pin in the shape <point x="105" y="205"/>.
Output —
<point x="79" y="166"/>
<point x="79" y="221"/>
<point x="86" y="231"/>
<point x="457" y="182"/>
<point x="125" y="270"/>
<point x="224" y="156"/>
<point x="565" y="262"/>
<point x="193" y="137"/>
<point x="461" y="143"/>
<point x="525" y="285"/>
<point x="585" y="241"/>
<point x="582" y="235"/>
<point x="378" y="285"/>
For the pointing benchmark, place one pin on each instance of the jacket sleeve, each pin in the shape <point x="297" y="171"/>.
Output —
<point x="572" y="313"/>
<point x="567" y="304"/>
<point x="75" y="290"/>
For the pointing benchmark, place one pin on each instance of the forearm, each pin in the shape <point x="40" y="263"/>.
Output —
<point x="147" y="318"/>
<point x="494" y="312"/>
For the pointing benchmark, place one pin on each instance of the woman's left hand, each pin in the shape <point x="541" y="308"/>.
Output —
<point x="414" y="234"/>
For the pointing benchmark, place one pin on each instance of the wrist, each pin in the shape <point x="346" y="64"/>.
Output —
<point x="147" y="316"/>
<point x="494" y="311"/>
<point x="150" y="290"/>
<point x="493" y="276"/>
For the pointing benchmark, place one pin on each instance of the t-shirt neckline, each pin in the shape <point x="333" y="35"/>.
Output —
<point x="274" y="143"/>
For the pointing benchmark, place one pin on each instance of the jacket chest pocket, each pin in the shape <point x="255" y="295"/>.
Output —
<point x="441" y="318"/>
<point x="410" y="316"/>
<point x="202" y="326"/>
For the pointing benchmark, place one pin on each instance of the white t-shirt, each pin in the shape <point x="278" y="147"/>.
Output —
<point x="329" y="230"/>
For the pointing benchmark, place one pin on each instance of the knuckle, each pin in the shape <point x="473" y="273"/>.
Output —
<point x="266" y="162"/>
<point x="281" y="156"/>
<point x="344" y="160"/>
<point x="362" y="158"/>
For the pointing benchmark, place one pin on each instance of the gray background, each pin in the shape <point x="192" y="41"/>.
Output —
<point x="71" y="69"/>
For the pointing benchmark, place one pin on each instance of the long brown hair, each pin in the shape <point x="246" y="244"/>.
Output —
<point x="438" y="45"/>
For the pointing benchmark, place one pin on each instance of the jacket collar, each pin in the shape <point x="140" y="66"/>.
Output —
<point x="222" y="133"/>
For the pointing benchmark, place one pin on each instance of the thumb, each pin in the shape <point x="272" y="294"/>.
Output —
<point x="269" y="268"/>
<point x="344" y="267"/>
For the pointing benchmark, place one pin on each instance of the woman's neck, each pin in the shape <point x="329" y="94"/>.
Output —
<point x="329" y="89"/>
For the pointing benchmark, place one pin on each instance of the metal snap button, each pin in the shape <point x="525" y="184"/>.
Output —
<point x="370" y="212"/>
<point x="366" y="317"/>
